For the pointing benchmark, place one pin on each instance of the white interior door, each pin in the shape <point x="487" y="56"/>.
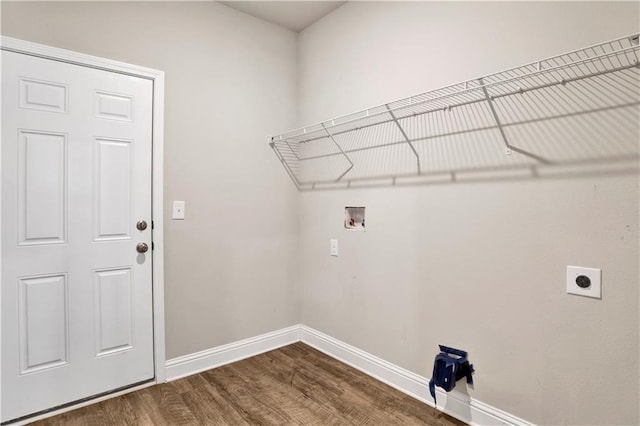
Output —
<point x="76" y="178"/>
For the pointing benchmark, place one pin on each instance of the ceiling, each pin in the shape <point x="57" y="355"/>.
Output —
<point x="294" y="15"/>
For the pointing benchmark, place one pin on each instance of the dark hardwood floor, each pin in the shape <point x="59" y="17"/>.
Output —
<point x="292" y="385"/>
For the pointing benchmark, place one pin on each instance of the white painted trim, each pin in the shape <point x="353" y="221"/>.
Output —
<point x="454" y="403"/>
<point x="211" y="358"/>
<point x="1" y="245"/>
<point x="157" y="214"/>
<point x="63" y="55"/>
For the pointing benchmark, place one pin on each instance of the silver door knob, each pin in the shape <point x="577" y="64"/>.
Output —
<point x="141" y="225"/>
<point x="142" y="247"/>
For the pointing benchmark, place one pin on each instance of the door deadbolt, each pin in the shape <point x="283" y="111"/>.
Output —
<point x="141" y="225"/>
<point x="142" y="248"/>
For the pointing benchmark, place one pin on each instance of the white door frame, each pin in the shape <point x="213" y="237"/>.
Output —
<point x="157" y="77"/>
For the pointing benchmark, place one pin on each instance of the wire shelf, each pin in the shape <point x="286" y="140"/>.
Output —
<point x="581" y="105"/>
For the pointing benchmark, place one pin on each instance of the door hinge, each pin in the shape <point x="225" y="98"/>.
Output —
<point x="153" y="246"/>
<point x="152" y="225"/>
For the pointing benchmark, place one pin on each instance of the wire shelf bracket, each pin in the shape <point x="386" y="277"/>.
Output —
<point x="404" y="135"/>
<point x="507" y="147"/>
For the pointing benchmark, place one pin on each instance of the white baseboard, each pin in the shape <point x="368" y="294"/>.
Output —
<point x="211" y="358"/>
<point x="454" y="403"/>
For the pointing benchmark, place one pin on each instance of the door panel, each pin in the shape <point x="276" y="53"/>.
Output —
<point x="114" y="106"/>
<point x="43" y="95"/>
<point x="76" y="177"/>
<point x="42" y="181"/>
<point x="112" y="191"/>
<point x="43" y="323"/>
<point x="114" y="305"/>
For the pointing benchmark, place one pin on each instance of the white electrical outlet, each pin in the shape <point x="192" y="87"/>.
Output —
<point x="333" y="250"/>
<point x="178" y="210"/>
<point x="584" y="281"/>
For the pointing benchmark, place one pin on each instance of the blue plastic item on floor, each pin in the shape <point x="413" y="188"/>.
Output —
<point x="449" y="366"/>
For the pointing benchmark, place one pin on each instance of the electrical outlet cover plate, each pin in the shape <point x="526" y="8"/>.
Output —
<point x="333" y="247"/>
<point x="178" y="210"/>
<point x="595" y="275"/>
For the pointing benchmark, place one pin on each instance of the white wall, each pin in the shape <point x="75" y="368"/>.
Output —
<point x="477" y="265"/>
<point x="231" y="271"/>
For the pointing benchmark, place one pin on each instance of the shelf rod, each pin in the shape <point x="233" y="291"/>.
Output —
<point x="507" y="147"/>
<point x="342" y="151"/>
<point x="405" y="136"/>
<point x="443" y="172"/>
<point x="496" y="83"/>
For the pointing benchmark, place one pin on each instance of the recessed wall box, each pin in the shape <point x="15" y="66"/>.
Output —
<point x="354" y="218"/>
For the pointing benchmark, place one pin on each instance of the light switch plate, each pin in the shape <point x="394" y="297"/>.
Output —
<point x="333" y="247"/>
<point x="178" y="210"/>
<point x="594" y="288"/>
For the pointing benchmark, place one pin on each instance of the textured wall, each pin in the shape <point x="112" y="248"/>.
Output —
<point x="478" y="264"/>
<point x="230" y="269"/>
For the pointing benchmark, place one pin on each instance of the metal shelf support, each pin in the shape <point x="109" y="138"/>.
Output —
<point x="507" y="147"/>
<point x="342" y="151"/>
<point x="404" y="135"/>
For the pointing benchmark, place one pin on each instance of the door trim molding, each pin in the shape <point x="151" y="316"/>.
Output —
<point x="157" y="77"/>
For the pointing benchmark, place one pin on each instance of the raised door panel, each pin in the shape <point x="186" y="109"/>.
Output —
<point x="113" y="106"/>
<point x="113" y="310"/>
<point x="43" y="95"/>
<point x="43" y="323"/>
<point x="42" y="187"/>
<point x="112" y="189"/>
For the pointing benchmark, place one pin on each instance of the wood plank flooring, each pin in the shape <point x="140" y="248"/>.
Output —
<point x="294" y="385"/>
